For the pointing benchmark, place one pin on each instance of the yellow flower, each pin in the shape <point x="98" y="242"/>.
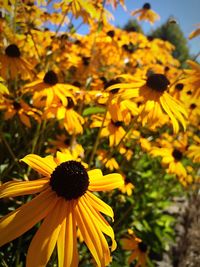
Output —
<point x="192" y="78"/>
<point x="48" y="90"/>
<point x="170" y="158"/>
<point x="65" y="202"/>
<point x="146" y="13"/>
<point x="20" y="108"/>
<point x="156" y="99"/>
<point x="13" y="65"/>
<point x="109" y="163"/>
<point x="111" y="129"/>
<point x="138" y="249"/>
<point x="194" y="150"/>
<point x="127" y="188"/>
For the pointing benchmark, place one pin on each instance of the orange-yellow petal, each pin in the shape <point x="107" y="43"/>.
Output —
<point x="98" y="204"/>
<point x="44" y="241"/>
<point x="106" y="182"/>
<point x="44" y="166"/>
<point x="90" y="233"/>
<point x="17" y="188"/>
<point x="25" y="217"/>
<point x="67" y="242"/>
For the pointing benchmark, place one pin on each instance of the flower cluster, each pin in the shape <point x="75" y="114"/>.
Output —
<point x="110" y="100"/>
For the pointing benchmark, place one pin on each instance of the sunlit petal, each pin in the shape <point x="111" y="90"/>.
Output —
<point x="22" y="219"/>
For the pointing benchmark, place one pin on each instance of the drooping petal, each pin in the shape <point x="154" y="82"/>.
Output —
<point x="67" y="242"/>
<point x="106" y="182"/>
<point x="44" y="166"/>
<point x="96" y="236"/>
<point x="44" y="241"/>
<point x="90" y="233"/>
<point x="98" y="204"/>
<point x="22" y="219"/>
<point x="101" y="222"/>
<point x="17" y="188"/>
<point x="170" y="114"/>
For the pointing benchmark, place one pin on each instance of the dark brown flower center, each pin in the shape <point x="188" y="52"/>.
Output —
<point x="179" y="86"/>
<point x="69" y="180"/>
<point x="70" y="102"/>
<point x="177" y="154"/>
<point x="142" y="246"/>
<point x="86" y="61"/>
<point x="111" y="33"/>
<point x="189" y="92"/>
<point x="16" y="105"/>
<point x="12" y="51"/>
<point x="129" y="47"/>
<point x="117" y="123"/>
<point x="67" y="141"/>
<point x="51" y="78"/>
<point x="193" y="106"/>
<point x="146" y="6"/>
<point x="157" y="82"/>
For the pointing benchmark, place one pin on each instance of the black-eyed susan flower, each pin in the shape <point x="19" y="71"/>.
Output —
<point x="128" y="187"/>
<point x="194" y="149"/>
<point x="12" y="64"/>
<point x="139" y="250"/>
<point x="192" y="78"/>
<point x="171" y="158"/>
<point x="112" y="129"/>
<point x="20" y="108"/>
<point x="49" y="90"/>
<point x="110" y="163"/>
<point x="156" y="99"/>
<point x="64" y="202"/>
<point x="146" y="13"/>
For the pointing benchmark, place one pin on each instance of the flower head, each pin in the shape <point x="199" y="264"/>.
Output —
<point x="64" y="203"/>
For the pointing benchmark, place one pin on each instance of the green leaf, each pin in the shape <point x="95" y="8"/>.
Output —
<point x="93" y="110"/>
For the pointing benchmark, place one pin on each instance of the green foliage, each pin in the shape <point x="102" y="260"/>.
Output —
<point x="171" y="32"/>
<point x="133" y="26"/>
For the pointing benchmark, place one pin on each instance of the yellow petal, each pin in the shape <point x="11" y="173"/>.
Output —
<point x="106" y="182"/>
<point x="22" y="219"/>
<point x="170" y="114"/>
<point x="89" y="232"/>
<point x="63" y="157"/>
<point x="44" y="241"/>
<point x="14" y="188"/>
<point x="67" y="243"/>
<point x="44" y="166"/>
<point x="98" y="204"/>
<point x="101" y="222"/>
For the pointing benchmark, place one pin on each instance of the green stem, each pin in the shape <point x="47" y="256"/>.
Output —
<point x="98" y="137"/>
<point x="120" y="142"/>
<point x="8" y="147"/>
<point x="122" y="218"/>
<point x="17" y="263"/>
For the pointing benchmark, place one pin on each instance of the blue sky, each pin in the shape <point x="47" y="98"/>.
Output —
<point x="186" y="12"/>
